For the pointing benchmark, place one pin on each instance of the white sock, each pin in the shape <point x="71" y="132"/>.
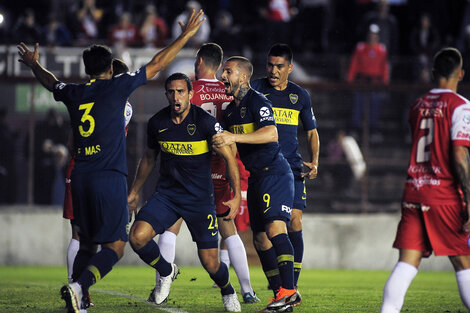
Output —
<point x="396" y="287"/>
<point x="463" y="281"/>
<point x="72" y="250"/>
<point x="237" y="253"/>
<point x="224" y="257"/>
<point x="167" y="245"/>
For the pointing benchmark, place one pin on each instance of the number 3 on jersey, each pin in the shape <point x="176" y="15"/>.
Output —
<point x="86" y="117"/>
<point x="424" y="141"/>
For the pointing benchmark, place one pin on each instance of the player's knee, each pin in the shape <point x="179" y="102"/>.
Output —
<point x="295" y="223"/>
<point x="261" y="242"/>
<point x="211" y="265"/>
<point x="137" y="239"/>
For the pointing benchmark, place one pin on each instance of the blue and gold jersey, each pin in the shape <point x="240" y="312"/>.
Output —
<point x="185" y="167"/>
<point x="254" y="112"/>
<point x="290" y="106"/>
<point x="96" y="113"/>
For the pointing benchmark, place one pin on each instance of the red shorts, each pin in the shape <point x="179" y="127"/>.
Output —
<point x="222" y="193"/>
<point x="68" y="206"/>
<point x="431" y="228"/>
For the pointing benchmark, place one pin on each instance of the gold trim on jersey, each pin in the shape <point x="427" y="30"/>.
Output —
<point x="286" y="116"/>
<point x="185" y="147"/>
<point x="243" y="128"/>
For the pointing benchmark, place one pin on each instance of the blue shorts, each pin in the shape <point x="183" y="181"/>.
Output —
<point x="161" y="213"/>
<point x="100" y="206"/>
<point x="270" y="198"/>
<point x="300" y="194"/>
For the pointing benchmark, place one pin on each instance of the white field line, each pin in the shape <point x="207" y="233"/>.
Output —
<point x="125" y="295"/>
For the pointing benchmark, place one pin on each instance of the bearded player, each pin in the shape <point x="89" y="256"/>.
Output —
<point x="209" y="93"/>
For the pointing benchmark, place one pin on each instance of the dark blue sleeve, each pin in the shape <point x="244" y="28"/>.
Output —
<point x="211" y="125"/>
<point x="152" y="140"/>
<point x="261" y="110"/>
<point x="62" y="91"/>
<point x="306" y="114"/>
<point x="128" y="82"/>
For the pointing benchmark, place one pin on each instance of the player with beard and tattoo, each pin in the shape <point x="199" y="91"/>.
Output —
<point x="250" y="119"/>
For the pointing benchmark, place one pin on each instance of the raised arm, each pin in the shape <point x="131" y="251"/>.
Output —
<point x="165" y="56"/>
<point x="146" y="166"/>
<point x="314" y="149"/>
<point x="31" y="60"/>
<point x="233" y="174"/>
<point x="462" y="169"/>
<point x="264" y="134"/>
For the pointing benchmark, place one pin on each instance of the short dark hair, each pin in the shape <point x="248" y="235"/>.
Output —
<point x="281" y="50"/>
<point x="119" y="67"/>
<point x="242" y="62"/>
<point x="97" y="59"/>
<point x="211" y="53"/>
<point x="446" y="61"/>
<point x="179" y="76"/>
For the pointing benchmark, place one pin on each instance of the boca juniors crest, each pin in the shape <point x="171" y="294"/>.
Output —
<point x="242" y="112"/>
<point x="191" y="129"/>
<point x="293" y="98"/>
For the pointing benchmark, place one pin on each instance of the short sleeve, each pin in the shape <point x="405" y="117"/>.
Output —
<point x="152" y="140"/>
<point x="460" y="128"/>
<point x="309" y="121"/>
<point x="131" y="80"/>
<point x="61" y="91"/>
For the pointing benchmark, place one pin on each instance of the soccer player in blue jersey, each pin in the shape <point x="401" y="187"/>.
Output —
<point x="182" y="134"/>
<point x="99" y="187"/>
<point x="250" y="120"/>
<point x="291" y="103"/>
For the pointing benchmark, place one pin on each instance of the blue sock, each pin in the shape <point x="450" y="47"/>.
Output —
<point x="270" y="268"/>
<point x="221" y="278"/>
<point x="80" y="263"/>
<point x="297" y="241"/>
<point x="285" y="259"/>
<point x="100" y="265"/>
<point x="150" y="254"/>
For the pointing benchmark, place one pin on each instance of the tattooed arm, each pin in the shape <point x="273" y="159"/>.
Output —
<point x="462" y="169"/>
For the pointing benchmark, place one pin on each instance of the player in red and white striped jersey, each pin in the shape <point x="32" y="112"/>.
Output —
<point x="436" y="200"/>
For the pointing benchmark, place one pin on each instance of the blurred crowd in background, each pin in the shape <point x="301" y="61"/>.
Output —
<point x="323" y="26"/>
<point x="361" y="42"/>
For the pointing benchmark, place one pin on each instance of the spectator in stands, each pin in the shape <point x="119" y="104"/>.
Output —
<point x="203" y="33"/>
<point x="26" y="28"/>
<point x="424" y="42"/>
<point x="125" y="33"/>
<point x="154" y="30"/>
<point x="387" y="23"/>
<point x="89" y="17"/>
<point x="56" y="34"/>
<point x="51" y="137"/>
<point x="277" y="15"/>
<point x="369" y="65"/>
<point x="226" y="34"/>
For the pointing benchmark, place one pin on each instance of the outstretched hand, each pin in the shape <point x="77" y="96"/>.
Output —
<point x="27" y="56"/>
<point x="194" y="22"/>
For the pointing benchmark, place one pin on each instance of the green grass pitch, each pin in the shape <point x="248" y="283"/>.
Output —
<point x="125" y="289"/>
